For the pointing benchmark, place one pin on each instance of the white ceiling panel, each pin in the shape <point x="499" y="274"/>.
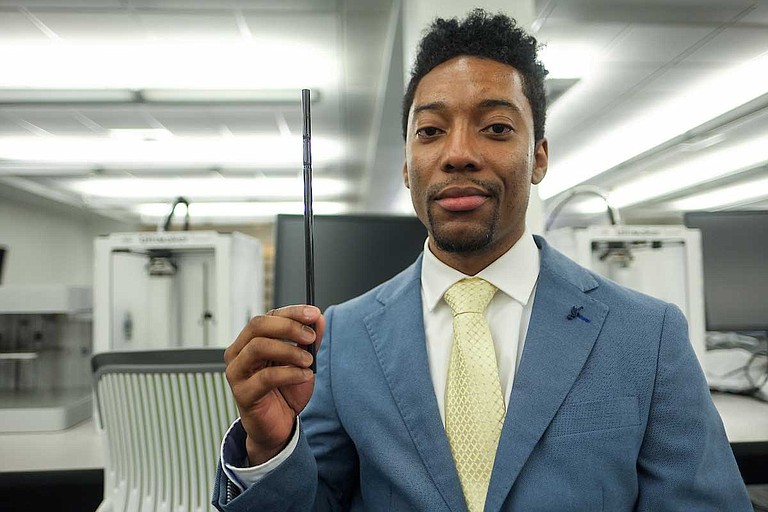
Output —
<point x="89" y="26"/>
<point x="643" y="11"/>
<point x="247" y="123"/>
<point x="733" y="45"/>
<point x="673" y="79"/>
<point x="578" y="108"/>
<point x="185" y="123"/>
<point x="319" y="29"/>
<point x="760" y="13"/>
<point x="58" y="123"/>
<point x="66" y="4"/>
<point x="293" y="121"/>
<point x="365" y="33"/>
<point x="15" y="26"/>
<point x="597" y="35"/>
<point x="120" y="118"/>
<point x="655" y="43"/>
<point x="197" y="27"/>
<point x="292" y="5"/>
<point x="10" y="128"/>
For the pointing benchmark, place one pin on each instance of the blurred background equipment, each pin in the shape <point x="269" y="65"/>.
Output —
<point x="45" y="345"/>
<point x="162" y="414"/>
<point x="181" y="289"/>
<point x="353" y="253"/>
<point x="661" y="261"/>
<point x="735" y="260"/>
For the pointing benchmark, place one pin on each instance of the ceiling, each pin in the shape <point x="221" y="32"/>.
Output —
<point x="120" y="106"/>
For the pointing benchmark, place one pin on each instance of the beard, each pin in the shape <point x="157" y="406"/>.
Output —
<point x="471" y="238"/>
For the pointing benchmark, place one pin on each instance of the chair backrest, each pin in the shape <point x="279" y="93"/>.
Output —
<point x="163" y="414"/>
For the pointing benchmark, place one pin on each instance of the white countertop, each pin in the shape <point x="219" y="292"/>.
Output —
<point x="78" y="447"/>
<point x="745" y="419"/>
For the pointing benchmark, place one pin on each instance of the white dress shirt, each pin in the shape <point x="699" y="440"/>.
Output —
<point x="514" y="274"/>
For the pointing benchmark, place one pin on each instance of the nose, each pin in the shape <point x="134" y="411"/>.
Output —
<point x="460" y="152"/>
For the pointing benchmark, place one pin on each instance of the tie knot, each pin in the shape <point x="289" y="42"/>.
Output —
<point x="470" y="295"/>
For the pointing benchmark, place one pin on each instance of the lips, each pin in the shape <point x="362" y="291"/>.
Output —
<point x="461" y="199"/>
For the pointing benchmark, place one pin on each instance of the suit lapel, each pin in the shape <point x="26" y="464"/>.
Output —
<point x="555" y="351"/>
<point x="397" y="334"/>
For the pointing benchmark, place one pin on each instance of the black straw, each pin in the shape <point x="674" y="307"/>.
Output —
<point x="309" y="224"/>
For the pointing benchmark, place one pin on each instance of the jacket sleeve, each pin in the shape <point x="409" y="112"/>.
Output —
<point x="321" y="474"/>
<point x="685" y="461"/>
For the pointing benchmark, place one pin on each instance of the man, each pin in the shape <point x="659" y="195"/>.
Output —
<point x="594" y="399"/>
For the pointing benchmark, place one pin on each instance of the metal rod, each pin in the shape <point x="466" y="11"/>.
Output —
<point x="309" y="224"/>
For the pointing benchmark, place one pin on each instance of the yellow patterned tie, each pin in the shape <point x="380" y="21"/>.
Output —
<point x="474" y="407"/>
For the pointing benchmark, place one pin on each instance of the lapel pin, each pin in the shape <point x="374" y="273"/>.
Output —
<point x="576" y="313"/>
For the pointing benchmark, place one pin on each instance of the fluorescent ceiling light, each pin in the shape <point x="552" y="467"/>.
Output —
<point x="589" y="205"/>
<point x="694" y="171"/>
<point x="266" y="96"/>
<point x="153" y="96"/>
<point x="690" y="108"/>
<point x="22" y="96"/>
<point x="155" y="211"/>
<point x="725" y="196"/>
<point x="568" y="60"/>
<point x="160" y="65"/>
<point x="141" y="134"/>
<point x="204" y="188"/>
<point x="195" y="152"/>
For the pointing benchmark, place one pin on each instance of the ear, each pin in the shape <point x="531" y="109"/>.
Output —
<point x="541" y="161"/>
<point x="405" y="175"/>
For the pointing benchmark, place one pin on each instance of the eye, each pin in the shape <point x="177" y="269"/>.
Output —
<point x="427" y="132"/>
<point x="498" y="129"/>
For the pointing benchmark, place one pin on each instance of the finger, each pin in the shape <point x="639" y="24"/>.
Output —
<point x="275" y="324"/>
<point x="268" y="379"/>
<point x="263" y="352"/>
<point x="319" y="328"/>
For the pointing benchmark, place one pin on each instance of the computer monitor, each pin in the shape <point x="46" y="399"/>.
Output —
<point x="735" y="260"/>
<point x="353" y="253"/>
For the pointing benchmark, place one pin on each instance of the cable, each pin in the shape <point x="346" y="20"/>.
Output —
<point x="613" y="212"/>
<point x="179" y="200"/>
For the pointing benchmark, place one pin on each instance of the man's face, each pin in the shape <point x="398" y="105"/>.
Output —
<point x="470" y="157"/>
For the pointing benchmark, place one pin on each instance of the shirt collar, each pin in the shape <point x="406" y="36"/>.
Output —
<point x="514" y="273"/>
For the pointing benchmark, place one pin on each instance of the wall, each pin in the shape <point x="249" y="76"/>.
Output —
<point x="48" y="243"/>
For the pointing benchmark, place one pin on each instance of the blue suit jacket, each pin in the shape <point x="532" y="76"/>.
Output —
<point x="608" y="411"/>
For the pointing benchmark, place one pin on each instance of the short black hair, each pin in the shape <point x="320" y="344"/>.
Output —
<point x="480" y="34"/>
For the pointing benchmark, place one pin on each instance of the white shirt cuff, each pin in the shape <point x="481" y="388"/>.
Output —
<point x="234" y="457"/>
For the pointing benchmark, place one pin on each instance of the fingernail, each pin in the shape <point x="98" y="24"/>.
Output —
<point x="308" y="374"/>
<point x="307" y="333"/>
<point x="310" y="311"/>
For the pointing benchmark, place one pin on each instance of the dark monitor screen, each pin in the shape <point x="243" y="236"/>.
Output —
<point x="353" y="253"/>
<point x="735" y="259"/>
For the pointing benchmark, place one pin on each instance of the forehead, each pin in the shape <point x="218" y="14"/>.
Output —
<point x="466" y="79"/>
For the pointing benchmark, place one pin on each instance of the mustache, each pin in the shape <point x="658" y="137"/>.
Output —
<point x="493" y="189"/>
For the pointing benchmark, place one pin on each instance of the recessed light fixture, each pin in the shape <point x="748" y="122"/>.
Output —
<point x="684" y="111"/>
<point x="132" y="134"/>
<point x="697" y="170"/>
<point x="742" y="193"/>
<point x="160" y="65"/>
<point x="197" y="189"/>
<point x="152" y="212"/>
<point x="192" y="152"/>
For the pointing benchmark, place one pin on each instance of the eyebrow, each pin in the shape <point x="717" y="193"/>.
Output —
<point x="435" y="105"/>
<point x="484" y="104"/>
<point x="493" y="103"/>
